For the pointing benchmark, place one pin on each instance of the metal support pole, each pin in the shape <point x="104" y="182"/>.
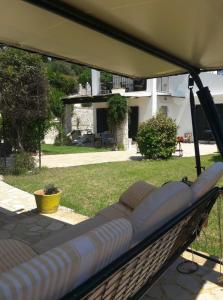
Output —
<point x="210" y="111"/>
<point x="193" y="118"/>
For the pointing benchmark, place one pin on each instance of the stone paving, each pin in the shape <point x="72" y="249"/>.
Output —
<point x="20" y="220"/>
<point x="78" y="159"/>
<point x="202" y="285"/>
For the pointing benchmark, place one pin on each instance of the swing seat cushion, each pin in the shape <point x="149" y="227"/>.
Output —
<point x="134" y="195"/>
<point x="53" y="274"/>
<point x="115" y="211"/>
<point x="159" y="207"/>
<point x="207" y="180"/>
<point x="129" y="199"/>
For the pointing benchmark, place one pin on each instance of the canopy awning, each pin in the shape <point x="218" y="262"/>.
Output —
<point x="143" y="38"/>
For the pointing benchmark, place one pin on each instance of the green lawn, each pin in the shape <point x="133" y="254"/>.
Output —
<point x="52" y="149"/>
<point x="87" y="189"/>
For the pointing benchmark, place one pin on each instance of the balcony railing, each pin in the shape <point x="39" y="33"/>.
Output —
<point x="163" y="85"/>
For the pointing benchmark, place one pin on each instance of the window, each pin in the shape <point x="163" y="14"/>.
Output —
<point x="164" y="110"/>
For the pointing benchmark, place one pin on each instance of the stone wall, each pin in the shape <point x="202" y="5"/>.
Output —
<point x="80" y="119"/>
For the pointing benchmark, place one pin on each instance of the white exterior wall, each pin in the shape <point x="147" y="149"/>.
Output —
<point x="144" y="104"/>
<point x="177" y="100"/>
<point x="179" y="111"/>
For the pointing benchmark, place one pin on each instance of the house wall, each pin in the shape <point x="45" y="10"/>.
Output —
<point x="144" y="104"/>
<point x="176" y="99"/>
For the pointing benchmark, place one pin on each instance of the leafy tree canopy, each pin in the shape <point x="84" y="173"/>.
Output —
<point x="23" y="100"/>
<point x="117" y="109"/>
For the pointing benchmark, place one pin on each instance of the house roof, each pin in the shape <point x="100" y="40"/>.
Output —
<point x="143" y="38"/>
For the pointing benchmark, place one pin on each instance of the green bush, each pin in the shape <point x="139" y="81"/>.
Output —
<point x="157" y="137"/>
<point x="21" y="163"/>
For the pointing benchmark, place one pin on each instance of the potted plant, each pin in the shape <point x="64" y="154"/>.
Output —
<point x="48" y="199"/>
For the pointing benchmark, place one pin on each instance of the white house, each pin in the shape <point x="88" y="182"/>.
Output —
<point x="168" y="94"/>
<point x="147" y="97"/>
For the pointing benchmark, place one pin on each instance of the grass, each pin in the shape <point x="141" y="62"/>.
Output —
<point x="87" y="189"/>
<point x="52" y="149"/>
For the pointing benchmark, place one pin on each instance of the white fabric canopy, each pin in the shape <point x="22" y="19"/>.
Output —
<point x="191" y="31"/>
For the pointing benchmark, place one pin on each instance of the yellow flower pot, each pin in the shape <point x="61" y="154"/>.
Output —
<point x="47" y="204"/>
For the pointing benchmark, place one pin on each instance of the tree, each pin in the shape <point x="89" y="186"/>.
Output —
<point x="117" y="110"/>
<point x="84" y="76"/>
<point x="62" y="81"/>
<point x="23" y="98"/>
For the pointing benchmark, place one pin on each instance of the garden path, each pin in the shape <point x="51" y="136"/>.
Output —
<point x="78" y="159"/>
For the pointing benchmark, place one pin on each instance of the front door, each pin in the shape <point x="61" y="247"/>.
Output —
<point x="102" y="124"/>
<point x="133" y="121"/>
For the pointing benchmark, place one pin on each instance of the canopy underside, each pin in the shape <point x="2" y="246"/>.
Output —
<point x="188" y="31"/>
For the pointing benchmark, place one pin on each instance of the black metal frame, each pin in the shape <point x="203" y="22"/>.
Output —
<point x="97" y="279"/>
<point x="211" y="113"/>
<point x="193" y="119"/>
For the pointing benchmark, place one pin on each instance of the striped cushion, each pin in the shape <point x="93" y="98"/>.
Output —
<point x="134" y="195"/>
<point x="207" y="180"/>
<point x="115" y="211"/>
<point x="13" y="253"/>
<point x="159" y="207"/>
<point x="53" y="274"/>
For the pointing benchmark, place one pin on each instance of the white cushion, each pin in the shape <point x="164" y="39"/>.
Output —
<point x="134" y="195"/>
<point x="68" y="234"/>
<point x="159" y="207"/>
<point x="115" y="211"/>
<point x="53" y="274"/>
<point x="207" y="180"/>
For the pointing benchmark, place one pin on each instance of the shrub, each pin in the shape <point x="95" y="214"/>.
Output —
<point x="61" y="138"/>
<point x="120" y="147"/>
<point x="21" y="163"/>
<point x="157" y="137"/>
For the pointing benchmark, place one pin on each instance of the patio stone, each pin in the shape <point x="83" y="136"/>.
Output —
<point x="33" y="233"/>
<point x="43" y="222"/>
<point x="4" y="234"/>
<point x="55" y="226"/>
<point x="9" y="227"/>
<point x="35" y="228"/>
<point x="29" y="220"/>
<point x="172" y="291"/>
<point x="207" y="296"/>
<point x="155" y="293"/>
<point x="188" y="283"/>
<point x="201" y="285"/>
<point x="211" y="276"/>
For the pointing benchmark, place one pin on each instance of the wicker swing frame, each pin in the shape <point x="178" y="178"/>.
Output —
<point x="131" y="275"/>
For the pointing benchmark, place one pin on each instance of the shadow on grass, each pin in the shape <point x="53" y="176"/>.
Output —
<point x="216" y="158"/>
